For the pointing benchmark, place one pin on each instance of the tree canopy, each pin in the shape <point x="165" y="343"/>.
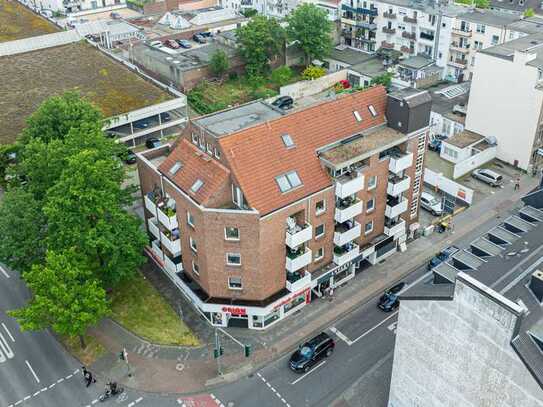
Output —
<point x="219" y="63"/>
<point x="309" y="27"/>
<point x="260" y="41"/>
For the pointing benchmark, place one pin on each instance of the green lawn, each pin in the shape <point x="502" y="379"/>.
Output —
<point x="141" y="309"/>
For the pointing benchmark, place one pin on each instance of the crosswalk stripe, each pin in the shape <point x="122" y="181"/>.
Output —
<point x="5" y="351"/>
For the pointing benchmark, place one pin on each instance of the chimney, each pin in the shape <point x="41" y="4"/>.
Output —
<point x="536" y="285"/>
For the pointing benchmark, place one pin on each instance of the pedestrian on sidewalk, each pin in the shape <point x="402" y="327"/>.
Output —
<point x="87" y="375"/>
<point x="517" y="183"/>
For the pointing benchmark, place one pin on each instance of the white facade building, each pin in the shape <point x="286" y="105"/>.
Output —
<point x="74" y="7"/>
<point x="506" y="99"/>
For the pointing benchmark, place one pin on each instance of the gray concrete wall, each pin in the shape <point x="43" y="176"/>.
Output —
<point x="458" y="353"/>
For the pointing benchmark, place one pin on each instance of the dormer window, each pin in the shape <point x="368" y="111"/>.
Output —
<point x="176" y="167"/>
<point x="287" y="141"/>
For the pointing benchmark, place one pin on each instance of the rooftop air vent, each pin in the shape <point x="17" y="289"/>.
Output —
<point x="536" y="285"/>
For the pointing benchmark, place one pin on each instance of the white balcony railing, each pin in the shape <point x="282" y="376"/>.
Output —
<point x="299" y="284"/>
<point x="343" y="214"/>
<point x="173" y="246"/>
<point x="299" y="235"/>
<point x="393" y="210"/>
<point x="153" y="227"/>
<point x="345" y="257"/>
<point x="348" y="185"/>
<point x="156" y="249"/>
<point x="396" y="186"/>
<point x="149" y="205"/>
<point x="171" y="267"/>
<point x="342" y="237"/>
<point x="169" y="221"/>
<point x="400" y="163"/>
<point x="298" y="262"/>
<point x="397" y="229"/>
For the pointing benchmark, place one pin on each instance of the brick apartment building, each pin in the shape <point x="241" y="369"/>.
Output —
<point x="252" y="212"/>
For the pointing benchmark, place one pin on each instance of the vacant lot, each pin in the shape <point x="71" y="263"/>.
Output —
<point x="17" y="22"/>
<point x="28" y="79"/>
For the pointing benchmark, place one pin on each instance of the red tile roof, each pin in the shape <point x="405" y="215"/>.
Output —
<point x="257" y="155"/>
<point x="195" y="165"/>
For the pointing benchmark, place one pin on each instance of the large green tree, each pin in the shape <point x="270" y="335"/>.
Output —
<point x="260" y="41"/>
<point x="66" y="296"/>
<point x="309" y="27"/>
<point x="22" y="227"/>
<point x="85" y="210"/>
<point x="218" y="64"/>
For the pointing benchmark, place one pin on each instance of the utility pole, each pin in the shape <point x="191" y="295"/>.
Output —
<point x="219" y="350"/>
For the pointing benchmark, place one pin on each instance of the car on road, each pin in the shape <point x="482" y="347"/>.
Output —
<point x="442" y="256"/>
<point x="431" y="203"/>
<point x="184" y="44"/>
<point x="283" y="102"/>
<point x="171" y="44"/>
<point x="200" y="39"/>
<point x="492" y="178"/>
<point x="152" y="142"/>
<point x="311" y="352"/>
<point x="390" y="300"/>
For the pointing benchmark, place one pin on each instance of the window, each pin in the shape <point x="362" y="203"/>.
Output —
<point x="190" y="219"/>
<point x="233" y="259"/>
<point x="287" y="141"/>
<point x="370" y="205"/>
<point x="197" y="185"/>
<point x="209" y="148"/>
<point x="319" y="254"/>
<point x="176" y="167"/>
<point x="234" y="283"/>
<point x="195" y="268"/>
<point x="372" y="182"/>
<point x="481" y="28"/>
<point x="495" y="39"/>
<point x="473" y="60"/>
<point x="368" y="228"/>
<point x="193" y="244"/>
<point x="217" y="153"/>
<point x="478" y="44"/>
<point x="320" y="207"/>
<point x="231" y="233"/>
<point x="194" y="138"/>
<point x="288" y="181"/>
<point x="372" y="110"/>
<point x="450" y="152"/>
<point x="319" y="231"/>
<point x="357" y="116"/>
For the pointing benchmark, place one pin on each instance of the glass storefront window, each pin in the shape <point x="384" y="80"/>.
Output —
<point x="294" y="303"/>
<point x="271" y="317"/>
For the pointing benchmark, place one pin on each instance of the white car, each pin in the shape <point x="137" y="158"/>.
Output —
<point x="431" y="203"/>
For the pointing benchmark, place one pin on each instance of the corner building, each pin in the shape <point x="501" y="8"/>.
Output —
<point x="253" y="213"/>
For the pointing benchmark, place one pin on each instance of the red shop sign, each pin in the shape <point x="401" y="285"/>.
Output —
<point x="235" y="310"/>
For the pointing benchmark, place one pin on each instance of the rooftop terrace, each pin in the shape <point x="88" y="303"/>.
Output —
<point x="17" y="22"/>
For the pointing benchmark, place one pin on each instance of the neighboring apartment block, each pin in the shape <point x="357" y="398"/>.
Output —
<point x="511" y="75"/>
<point x="253" y="212"/>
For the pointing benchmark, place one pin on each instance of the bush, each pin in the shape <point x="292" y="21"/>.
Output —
<point x="219" y="63"/>
<point x="262" y="93"/>
<point x="197" y="101"/>
<point x="529" y="12"/>
<point x="249" y="12"/>
<point x="281" y="76"/>
<point x="233" y="76"/>
<point x="313" y="72"/>
<point x="255" y="81"/>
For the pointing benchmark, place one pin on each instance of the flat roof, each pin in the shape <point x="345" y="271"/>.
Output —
<point x="446" y="96"/>
<point x="489" y="17"/>
<point x="528" y="25"/>
<point x="363" y="145"/>
<point x="17" y="22"/>
<point x="238" y="118"/>
<point x="416" y="62"/>
<point x="348" y="55"/>
<point x="372" y="67"/>
<point x="533" y="42"/>
<point x="464" y="139"/>
<point x="35" y="76"/>
<point x="429" y="6"/>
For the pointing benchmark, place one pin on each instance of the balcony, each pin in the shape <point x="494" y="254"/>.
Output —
<point x="346" y="232"/>
<point x="390" y="16"/>
<point x="367" y="25"/>
<point x="412" y="20"/>
<point x="155" y="247"/>
<point x="387" y="45"/>
<point x="387" y="30"/>
<point x="461" y="33"/>
<point x="171" y="241"/>
<point x="152" y="225"/>
<point x="298" y="259"/>
<point x="360" y="10"/>
<point x="298" y="281"/>
<point x="426" y="36"/>
<point x="395" y="207"/>
<point x="396" y="185"/>
<point x="298" y="235"/>
<point x="409" y="36"/>
<point x="348" y="21"/>
<point x="395" y="228"/>
<point x="173" y="266"/>
<point x="163" y="208"/>
<point x="347" y="185"/>
<point x="458" y="63"/>
<point x="463" y="49"/>
<point x="348" y="209"/>
<point x="400" y="162"/>
<point x="407" y="50"/>
<point x="346" y="254"/>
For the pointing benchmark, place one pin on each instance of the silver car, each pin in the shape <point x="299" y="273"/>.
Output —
<point x="490" y="177"/>
<point x="431" y="204"/>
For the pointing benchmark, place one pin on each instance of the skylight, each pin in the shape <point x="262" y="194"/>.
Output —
<point x="372" y="110"/>
<point x="197" y="185"/>
<point x="176" y="167"/>
<point x="287" y="140"/>
<point x="357" y="116"/>
<point x="288" y="181"/>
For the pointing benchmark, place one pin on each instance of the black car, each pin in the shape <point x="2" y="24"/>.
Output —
<point x="184" y="44"/>
<point x="390" y="300"/>
<point x="200" y="39"/>
<point x="311" y="352"/>
<point x="283" y="102"/>
<point x="152" y="142"/>
<point x="165" y="117"/>
<point x="130" y="157"/>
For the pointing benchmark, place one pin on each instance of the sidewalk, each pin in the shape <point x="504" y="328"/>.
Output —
<point x="189" y="370"/>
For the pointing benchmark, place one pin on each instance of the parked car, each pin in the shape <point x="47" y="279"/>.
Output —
<point x="130" y="157"/>
<point x="207" y="34"/>
<point x="156" y="44"/>
<point x="171" y="44"/>
<point x="490" y="177"/>
<point x="114" y="15"/>
<point x="435" y="145"/>
<point x="200" y="39"/>
<point x="431" y="203"/>
<point x="390" y="300"/>
<point x="141" y="124"/>
<point x="311" y="352"/>
<point x="283" y="102"/>
<point x="152" y="142"/>
<point x="184" y="44"/>
<point x="442" y="256"/>
<point x="165" y="117"/>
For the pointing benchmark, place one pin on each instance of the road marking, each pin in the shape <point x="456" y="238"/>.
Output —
<point x="5" y="351"/>
<point x="392" y="327"/>
<point x="4" y="272"/>
<point x="69" y="376"/>
<point x="308" y="373"/>
<point x="8" y="332"/>
<point x="35" y="394"/>
<point x="276" y="392"/>
<point x="341" y="335"/>
<point x="53" y="385"/>
<point x="375" y="327"/>
<point x="26" y="398"/>
<point x="32" y="370"/>
<point x="60" y="380"/>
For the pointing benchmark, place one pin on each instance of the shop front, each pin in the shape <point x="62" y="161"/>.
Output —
<point x="332" y="276"/>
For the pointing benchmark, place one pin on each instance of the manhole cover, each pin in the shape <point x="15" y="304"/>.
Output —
<point x="179" y="367"/>
<point x="230" y="404"/>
